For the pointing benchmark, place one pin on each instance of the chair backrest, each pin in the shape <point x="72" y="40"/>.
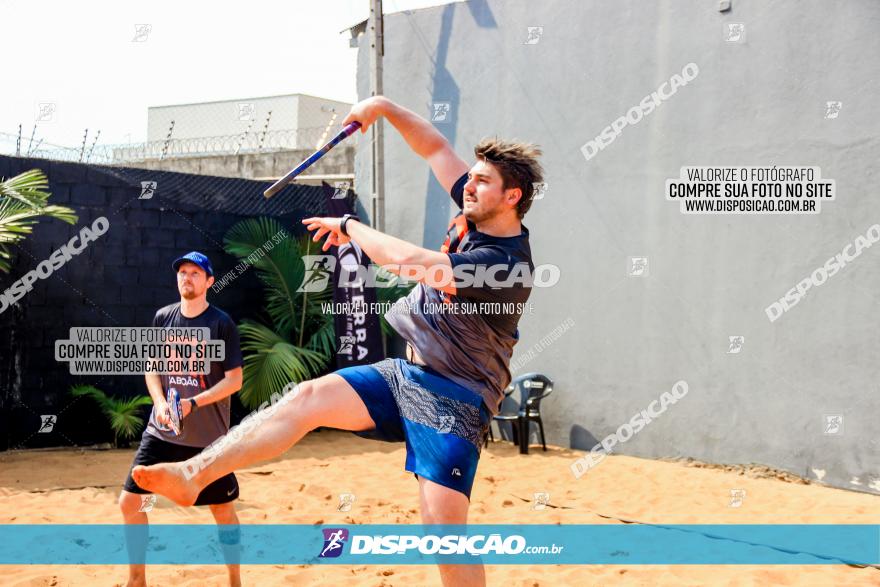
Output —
<point x="533" y="387"/>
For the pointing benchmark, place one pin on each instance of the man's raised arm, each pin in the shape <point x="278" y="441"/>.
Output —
<point x="421" y="136"/>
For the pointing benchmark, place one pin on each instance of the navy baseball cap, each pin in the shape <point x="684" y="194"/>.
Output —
<point x="197" y="258"/>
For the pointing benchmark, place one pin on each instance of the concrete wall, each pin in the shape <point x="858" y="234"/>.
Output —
<point x="758" y="102"/>
<point x="339" y="161"/>
<point x="208" y="119"/>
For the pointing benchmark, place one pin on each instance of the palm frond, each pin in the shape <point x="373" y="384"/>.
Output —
<point x="271" y="362"/>
<point x="28" y="188"/>
<point x="90" y="391"/>
<point x="323" y="339"/>
<point x="281" y="268"/>
<point x="277" y="299"/>
<point x="124" y="415"/>
<point x="23" y="200"/>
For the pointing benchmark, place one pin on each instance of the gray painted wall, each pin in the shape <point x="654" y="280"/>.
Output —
<point x="759" y="102"/>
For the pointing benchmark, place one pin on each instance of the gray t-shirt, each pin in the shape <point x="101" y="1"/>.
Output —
<point x="471" y="348"/>
<point x="210" y="422"/>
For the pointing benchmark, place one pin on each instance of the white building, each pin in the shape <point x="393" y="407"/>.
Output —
<point x="293" y="121"/>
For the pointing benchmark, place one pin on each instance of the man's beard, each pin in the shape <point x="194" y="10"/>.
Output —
<point x="477" y="216"/>
<point x="189" y="294"/>
<point x="472" y="214"/>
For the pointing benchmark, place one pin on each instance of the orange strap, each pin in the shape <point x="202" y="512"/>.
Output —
<point x="454" y="234"/>
<point x="458" y="228"/>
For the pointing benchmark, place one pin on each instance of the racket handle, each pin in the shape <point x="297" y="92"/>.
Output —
<point x="346" y="132"/>
<point x="173" y="401"/>
<point x="349" y="128"/>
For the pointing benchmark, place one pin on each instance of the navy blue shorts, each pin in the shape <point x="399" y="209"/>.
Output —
<point x="155" y="450"/>
<point x="442" y="423"/>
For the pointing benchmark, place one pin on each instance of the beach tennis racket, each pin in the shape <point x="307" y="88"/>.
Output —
<point x="276" y="187"/>
<point x="176" y="414"/>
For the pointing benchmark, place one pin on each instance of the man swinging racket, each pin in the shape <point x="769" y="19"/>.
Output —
<point x="440" y="401"/>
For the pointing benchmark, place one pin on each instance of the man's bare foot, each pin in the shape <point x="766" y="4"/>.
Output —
<point x="166" y="479"/>
<point x="139" y="582"/>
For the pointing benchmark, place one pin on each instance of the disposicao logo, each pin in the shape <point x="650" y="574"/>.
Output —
<point x="334" y="540"/>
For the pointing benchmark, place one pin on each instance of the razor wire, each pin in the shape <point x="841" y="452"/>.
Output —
<point x="249" y="142"/>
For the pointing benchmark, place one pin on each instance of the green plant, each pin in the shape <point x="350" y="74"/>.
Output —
<point x="124" y="414"/>
<point x="294" y="347"/>
<point x="299" y="340"/>
<point x="23" y="199"/>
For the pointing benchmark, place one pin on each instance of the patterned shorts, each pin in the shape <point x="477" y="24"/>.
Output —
<point x="442" y="423"/>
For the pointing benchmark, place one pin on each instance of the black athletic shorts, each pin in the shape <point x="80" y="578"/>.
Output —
<point x="155" y="450"/>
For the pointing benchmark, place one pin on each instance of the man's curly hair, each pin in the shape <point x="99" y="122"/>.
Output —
<point x="518" y="165"/>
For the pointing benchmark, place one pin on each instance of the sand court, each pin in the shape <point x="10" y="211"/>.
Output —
<point x="72" y="486"/>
